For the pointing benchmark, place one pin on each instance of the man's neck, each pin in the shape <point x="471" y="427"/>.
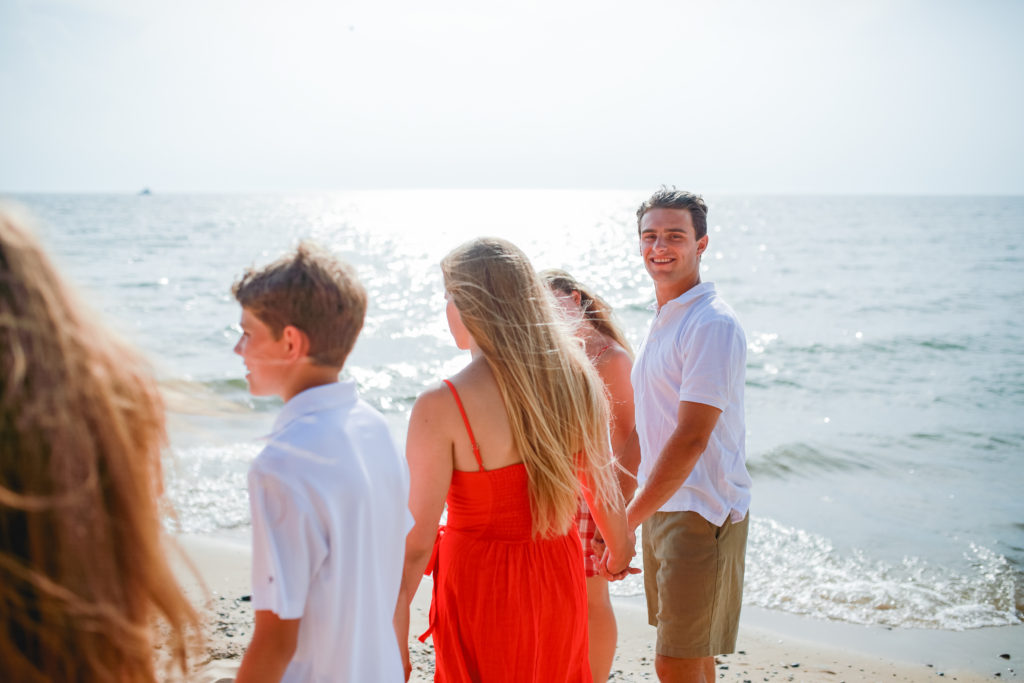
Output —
<point x="665" y="292"/>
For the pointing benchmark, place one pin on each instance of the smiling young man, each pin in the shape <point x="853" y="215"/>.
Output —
<point x="694" y="488"/>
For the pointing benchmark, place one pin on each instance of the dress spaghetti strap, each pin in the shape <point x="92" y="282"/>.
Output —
<point x="465" y="421"/>
<point x="600" y="353"/>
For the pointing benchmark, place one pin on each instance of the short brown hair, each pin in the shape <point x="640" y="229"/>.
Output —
<point x="666" y="197"/>
<point x="311" y="290"/>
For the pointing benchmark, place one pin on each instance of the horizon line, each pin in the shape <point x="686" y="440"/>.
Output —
<point x="147" y="191"/>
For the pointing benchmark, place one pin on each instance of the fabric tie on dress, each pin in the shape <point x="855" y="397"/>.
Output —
<point x="431" y="571"/>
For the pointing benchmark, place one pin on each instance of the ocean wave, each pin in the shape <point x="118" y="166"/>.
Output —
<point x="212" y="398"/>
<point x="804" y="459"/>
<point x="864" y="343"/>
<point x="795" y="571"/>
<point x="390" y="388"/>
<point x="788" y="569"/>
<point x="208" y="489"/>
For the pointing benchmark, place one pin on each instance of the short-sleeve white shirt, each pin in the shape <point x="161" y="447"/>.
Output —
<point x="696" y="351"/>
<point x="329" y="500"/>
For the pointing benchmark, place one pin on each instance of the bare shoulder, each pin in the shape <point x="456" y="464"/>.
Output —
<point x="475" y="385"/>
<point x="435" y="402"/>
<point x="614" y="362"/>
<point x="431" y="427"/>
<point x="615" y="366"/>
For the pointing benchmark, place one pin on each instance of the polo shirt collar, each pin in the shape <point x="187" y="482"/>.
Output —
<point x="688" y="297"/>
<point x="331" y="396"/>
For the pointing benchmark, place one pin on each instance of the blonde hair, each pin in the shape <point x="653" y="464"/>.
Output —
<point x="82" y="565"/>
<point x="554" y="398"/>
<point x="596" y="310"/>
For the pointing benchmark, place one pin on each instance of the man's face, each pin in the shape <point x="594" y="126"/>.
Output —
<point x="263" y="355"/>
<point x="670" y="248"/>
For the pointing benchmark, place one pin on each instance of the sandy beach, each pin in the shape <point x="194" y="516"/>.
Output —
<point x="772" y="646"/>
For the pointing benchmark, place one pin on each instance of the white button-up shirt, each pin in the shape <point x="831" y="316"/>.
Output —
<point x="696" y="351"/>
<point x="329" y="499"/>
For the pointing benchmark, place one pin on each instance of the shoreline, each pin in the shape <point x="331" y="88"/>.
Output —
<point x="771" y="645"/>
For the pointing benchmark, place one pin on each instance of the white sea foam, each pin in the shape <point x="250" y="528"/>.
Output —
<point x="795" y="571"/>
<point x="787" y="569"/>
<point x="800" y="572"/>
<point x="207" y="487"/>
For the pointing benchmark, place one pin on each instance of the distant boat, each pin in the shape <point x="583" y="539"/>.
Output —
<point x="145" y="191"/>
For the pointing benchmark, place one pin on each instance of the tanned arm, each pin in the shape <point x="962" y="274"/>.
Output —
<point x="628" y="459"/>
<point x="614" y="368"/>
<point x="428" y="450"/>
<point x="676" y="461"/>
<point x="619" y="541"/>
<point x="272" y="647"/>
<point x="401" y="625"/>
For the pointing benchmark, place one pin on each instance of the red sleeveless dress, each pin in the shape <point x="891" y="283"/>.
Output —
<point x="506" y="607"/>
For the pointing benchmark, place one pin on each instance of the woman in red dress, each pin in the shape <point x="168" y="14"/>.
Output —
<point x="510" y="443"/>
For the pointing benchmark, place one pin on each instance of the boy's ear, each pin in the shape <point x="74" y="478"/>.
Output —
<point x="296" y="342"/>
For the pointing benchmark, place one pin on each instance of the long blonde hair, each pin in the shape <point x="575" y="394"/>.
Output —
<point x="596" y="310"/>
<point x="554" y="398"/>
<point x="82" y="565"/>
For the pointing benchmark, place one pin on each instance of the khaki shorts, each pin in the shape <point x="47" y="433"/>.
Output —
<point x="693" y="576"/>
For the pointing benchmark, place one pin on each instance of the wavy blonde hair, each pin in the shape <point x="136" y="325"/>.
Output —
<point x="82" y="565"/>
<point x="596" y="310"/>
<point x="554" y="398"/>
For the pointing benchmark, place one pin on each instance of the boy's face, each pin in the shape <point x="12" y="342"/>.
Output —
<point x="264" y="356"/>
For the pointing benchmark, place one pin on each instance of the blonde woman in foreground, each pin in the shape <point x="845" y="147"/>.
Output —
<point x="82" y="566"/>
<point x="510" y="441"/>
<point x="590" y="317"/>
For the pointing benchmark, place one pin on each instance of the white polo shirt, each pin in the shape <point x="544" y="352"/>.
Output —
<point x="696" y="351"/>
<point x="329" y="499"/>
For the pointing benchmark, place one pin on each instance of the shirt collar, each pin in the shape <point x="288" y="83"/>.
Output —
<point x="688" y="297"/>
<point x="316" y="399"/>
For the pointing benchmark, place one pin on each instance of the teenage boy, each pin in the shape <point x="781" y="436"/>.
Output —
<point x="694" y="488"/>
<point x="328" y="493"/>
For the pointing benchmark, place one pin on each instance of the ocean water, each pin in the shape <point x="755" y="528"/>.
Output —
<point x="885" y="376"/>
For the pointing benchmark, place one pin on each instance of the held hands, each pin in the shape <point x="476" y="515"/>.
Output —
<point x="611" y="566"/>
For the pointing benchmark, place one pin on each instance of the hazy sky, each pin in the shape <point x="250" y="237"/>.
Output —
<point x="828" y="96"/>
